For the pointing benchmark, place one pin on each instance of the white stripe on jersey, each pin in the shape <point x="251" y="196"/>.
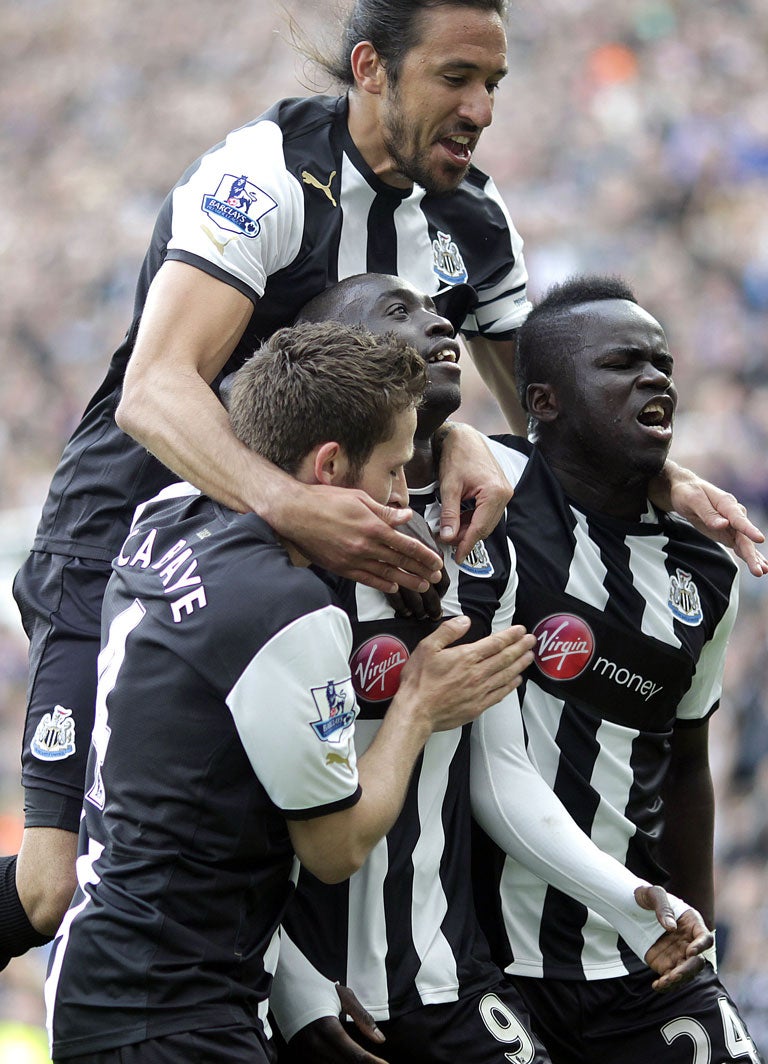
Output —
<point x="413" y="241"/>
<point x="357" y="197"/>
<point x="428" y="894"/>
<point x="652" y="581"/>
<point x="587" y="571"/>
<point x="612" y="779"/>
<point x="367" y="941"/>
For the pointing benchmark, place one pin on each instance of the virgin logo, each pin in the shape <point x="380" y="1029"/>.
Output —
<point x="564" y="646"/>
<point x="376" y="667"/>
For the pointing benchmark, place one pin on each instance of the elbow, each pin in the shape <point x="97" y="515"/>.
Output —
<point x="337" y="862"/>
<point x="336" y="868"/>
<point x="131" y="411"/>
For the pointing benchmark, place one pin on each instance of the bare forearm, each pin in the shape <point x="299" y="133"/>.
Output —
<point x="177" y="417"/>
<point x="334" y="847"/>
<point x="687" y="840"/>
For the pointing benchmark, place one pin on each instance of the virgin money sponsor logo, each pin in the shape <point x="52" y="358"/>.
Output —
<point x="564" y="646"/>
<point x="376" y="667"/>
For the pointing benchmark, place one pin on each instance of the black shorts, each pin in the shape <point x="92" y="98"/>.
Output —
<point x="219" y="1045"/>
<point x="59" y="599"/>
<point x="491" y="1027"/>
<point x="624" y="1021"/>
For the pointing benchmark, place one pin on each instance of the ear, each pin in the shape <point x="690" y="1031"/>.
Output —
<point x="542" y="402"/>
<point x="329" y="464"/>
<point x="367" y="68"/>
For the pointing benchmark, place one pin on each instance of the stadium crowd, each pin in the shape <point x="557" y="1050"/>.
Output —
<point x="628" y="138"/>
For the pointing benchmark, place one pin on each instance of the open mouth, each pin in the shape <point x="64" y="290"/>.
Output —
<point x="446" y="351"/>
<point x="459" y="147"/>
<point x="657" y="415"/>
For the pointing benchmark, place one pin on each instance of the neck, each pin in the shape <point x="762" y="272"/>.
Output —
<point x="364" y="124"/>
<point x="421" y="470"/>
<point x="616" y="495"/>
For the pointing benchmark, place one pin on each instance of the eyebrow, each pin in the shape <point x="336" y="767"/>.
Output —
<point x="405" y="295"/>
<point x="466" y="64"/>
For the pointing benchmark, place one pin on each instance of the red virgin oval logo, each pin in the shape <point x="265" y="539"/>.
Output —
<point x="564" y="646"/>
<point x="376" y="667"/>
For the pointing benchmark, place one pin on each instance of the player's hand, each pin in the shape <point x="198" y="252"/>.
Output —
<point x="468" y="470"/>
<point x="447" y="686"/>
<point x="346" y="531"/>
<point x="716" y="513"/>
<point x="326" y="1041"/>
<point x="408" y="603"/>
<point x="676" y="956"/>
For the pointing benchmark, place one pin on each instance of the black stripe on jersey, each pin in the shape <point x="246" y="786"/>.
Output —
<point x="649" y="761"/>
<point x="563" y="917"/>
<point x="623" y="598"/>
<point x="465" y="937"/>
<point x="381" y="253"/>
<point x="402" y="961"/>
<point x="324" y="941"/>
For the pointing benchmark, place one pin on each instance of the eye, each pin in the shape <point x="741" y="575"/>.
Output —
<point x="455" y="80"/>
<point x="665" y="363"/>
<point x="397" y="310"/>
<point x="493" y="86"/>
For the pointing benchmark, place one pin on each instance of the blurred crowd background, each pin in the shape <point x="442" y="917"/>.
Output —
<point x="628" y="138"/>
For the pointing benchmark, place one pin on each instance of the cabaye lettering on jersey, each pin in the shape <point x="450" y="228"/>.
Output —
<point x="176" y="569"/>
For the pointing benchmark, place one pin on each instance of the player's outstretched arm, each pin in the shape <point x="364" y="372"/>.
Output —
<point x="468" y="470"/>
<point x="190" y="326"/>
<point x="441" y="687"/>
<point x="716" y="513"/>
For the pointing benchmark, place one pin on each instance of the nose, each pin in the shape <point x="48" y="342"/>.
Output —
<point x="477" y="106"/>
<point x="654" y="377"/>
<point x="437" y="325"/>
<point x="398" y="495"/>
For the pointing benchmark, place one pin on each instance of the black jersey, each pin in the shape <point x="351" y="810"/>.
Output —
<point x="632" y="621"/>
<point x="224" y="706"/>
<point x="402" y="931"/>
<point x="283" y="208"/>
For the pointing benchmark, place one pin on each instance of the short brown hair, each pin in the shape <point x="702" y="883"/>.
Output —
<point x="316" y="382"/>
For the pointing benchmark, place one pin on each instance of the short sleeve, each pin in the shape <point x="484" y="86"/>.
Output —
<point x="240" y="214"/>
<point x="294" y="708"/>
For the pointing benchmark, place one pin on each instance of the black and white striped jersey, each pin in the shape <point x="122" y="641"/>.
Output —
<point x="402" y="931"/>
<point x="224" y="706"/>
<point x="632" y="622"/>
<point x="280" y="210"/>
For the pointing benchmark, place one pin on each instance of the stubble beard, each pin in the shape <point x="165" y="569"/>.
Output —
<point x="414" y="166"/>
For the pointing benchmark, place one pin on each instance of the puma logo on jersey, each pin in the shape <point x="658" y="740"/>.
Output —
<point x="218" y="244"/>
<point x="310" y="179"/>
<point x="337" y="759"/>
